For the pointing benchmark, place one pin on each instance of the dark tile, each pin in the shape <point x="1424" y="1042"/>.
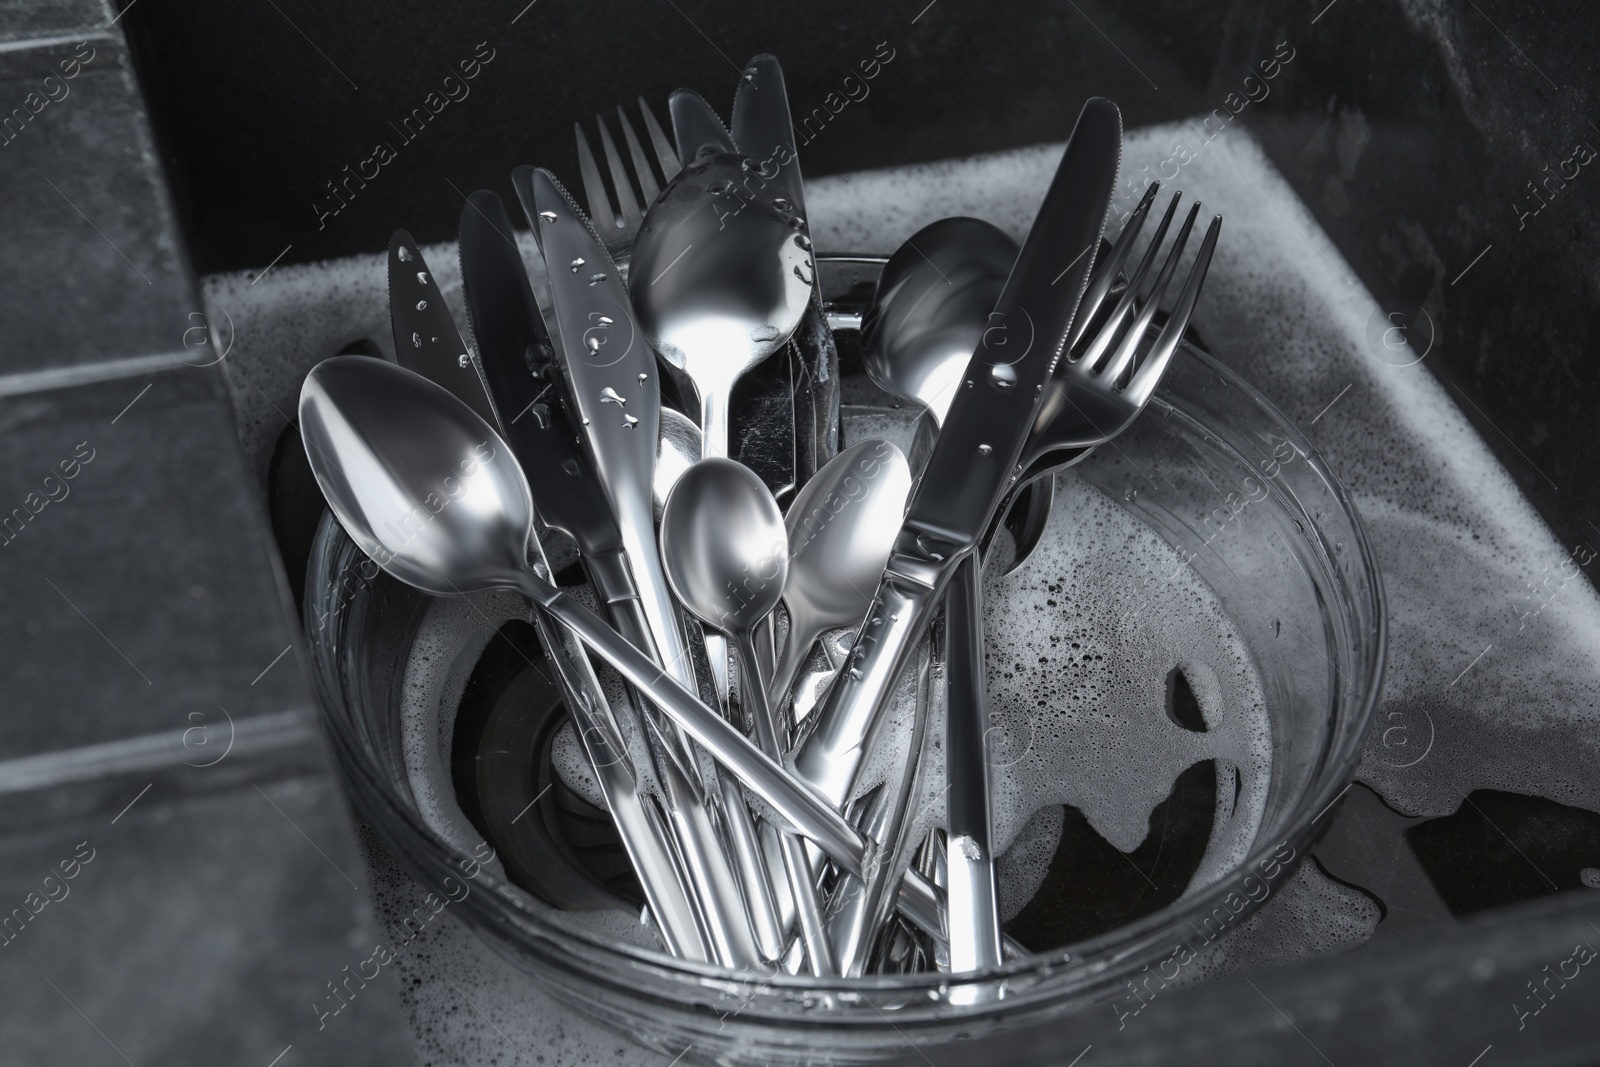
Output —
<point x="194" y="931"/>
<point x="51" y="18"/>
<point x="90" y="260"/>
<point x="146" y="594"/>
<point x="1365" y="846"/>
<point x="1502" y="848"/>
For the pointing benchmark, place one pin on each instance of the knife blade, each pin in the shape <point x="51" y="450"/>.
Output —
<point x="519" y="365"/>
<point x="611" y="380"/>
<point x="425" y="336"/>
<point x="763" y="130"/>
<point x="696" y="126"/>
<point x="525" y="378"/>
<point x="974" y="460"/>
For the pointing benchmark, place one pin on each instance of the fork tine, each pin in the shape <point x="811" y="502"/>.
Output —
<point x="1141" y="322"/>
<point x="1106" y="273"/>
<point x="1109" y="330"/>
<point x="627" y="204"/>
<point x="594" y="190"/>
<point x="665" y="154"/>
<point x="648" y="189"/>
<point x="1155" y="364"/>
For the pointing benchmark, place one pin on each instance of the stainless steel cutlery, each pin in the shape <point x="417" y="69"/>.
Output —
<point x="1026" y="358"/>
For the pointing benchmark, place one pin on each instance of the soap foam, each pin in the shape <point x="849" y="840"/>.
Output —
<point x="1310" y="915"/>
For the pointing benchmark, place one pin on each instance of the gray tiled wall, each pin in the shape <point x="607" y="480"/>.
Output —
<point x="178" y="875"/>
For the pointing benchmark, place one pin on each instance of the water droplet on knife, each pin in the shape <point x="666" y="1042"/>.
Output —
<point x="575" y="264"/>
<point x="405" y="254"/>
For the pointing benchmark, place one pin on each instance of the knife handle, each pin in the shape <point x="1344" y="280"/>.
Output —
<point x="974" y="910"/>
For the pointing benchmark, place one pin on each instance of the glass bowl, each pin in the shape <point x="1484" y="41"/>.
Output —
<point x="1213" y="471"/>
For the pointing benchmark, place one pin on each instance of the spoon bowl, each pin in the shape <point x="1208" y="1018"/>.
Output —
<point x="723" y="545"/>
<point x="722" y="273"/>
<point x="726" y="555"/>
<point x="443" y="506"/>
<point x="932" y="309"/>
<point x="840" y="529"/>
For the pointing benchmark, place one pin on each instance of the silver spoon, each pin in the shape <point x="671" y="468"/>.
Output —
<point x="932" y="307"/>
<point x="433" y="495"/>
<point x="723" y="546"/>
<point x="353" y="478"/>
<point x="721" y="277"/>
<point x="840" y="530"/>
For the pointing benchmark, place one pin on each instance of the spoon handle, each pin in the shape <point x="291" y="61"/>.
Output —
<point x="744" y="940"/>
<point x="859" y="908"/>
<point x="802" y="807"/>
<point x="714" y="423"/>
<point x="639" y="822"/>
<point x="796" y="864"/>
<point x="796" y="643"/>
<point x="841" y="730"/>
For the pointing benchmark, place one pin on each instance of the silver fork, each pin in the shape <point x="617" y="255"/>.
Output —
<point x="1097" y="392"/>
<point x="618" y="225"/>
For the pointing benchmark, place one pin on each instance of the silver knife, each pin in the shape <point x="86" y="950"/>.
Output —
<point x="427" y="342"/>
<point x="515" y="353"/>
<point x="425" y="336"/>
<point x="975" y="459"/>
<point x="616" y="398"/>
